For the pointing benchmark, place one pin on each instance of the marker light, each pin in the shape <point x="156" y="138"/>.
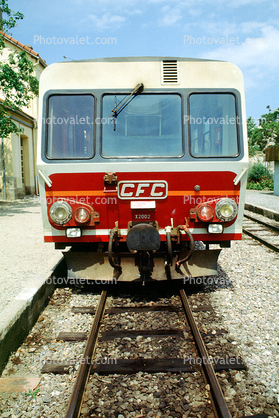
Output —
<point x="73" y="232"/>
<point x="60" y="212"/>
<point x="226" y="209"/>
<point x="82" y="215"/>
<point x="205" y="213"/>
<point x="215" y="228"/>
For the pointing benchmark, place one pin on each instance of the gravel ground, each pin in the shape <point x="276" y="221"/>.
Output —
<point x="26" y="261"/>
<point x="250" y="310"/>
<point x="245" y="299"/>
<point x="22" y="235"/>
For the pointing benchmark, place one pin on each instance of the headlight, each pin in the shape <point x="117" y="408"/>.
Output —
<point x="82" y="215"/>
<point x="226" y="209"/>
<point x="60" y="212"/>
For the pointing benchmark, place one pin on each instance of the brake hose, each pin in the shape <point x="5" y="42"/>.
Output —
<point x="110" y="254"/>
<point x="192" y="246"/>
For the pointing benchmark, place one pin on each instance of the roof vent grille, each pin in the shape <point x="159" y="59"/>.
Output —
<point x="170" y="72"/>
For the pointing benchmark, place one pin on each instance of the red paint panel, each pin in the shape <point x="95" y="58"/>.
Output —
<point x="207" y="180"/>
<point x="88" y="188"/>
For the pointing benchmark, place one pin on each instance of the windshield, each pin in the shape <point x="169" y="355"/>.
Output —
<point x="149" y="126"/>
<point x="69" y="126"/>
<point x="213" y="125"/>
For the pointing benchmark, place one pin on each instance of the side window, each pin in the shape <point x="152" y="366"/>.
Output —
<point x="213" y="125"/>
<point x="70" y="127"/>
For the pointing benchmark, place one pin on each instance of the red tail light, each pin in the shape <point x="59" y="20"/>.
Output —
<point x="205" y="213"/>
<point x="82" y="215"/>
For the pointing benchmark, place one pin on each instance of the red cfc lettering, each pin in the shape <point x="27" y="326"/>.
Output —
<point x="151" y="189"/>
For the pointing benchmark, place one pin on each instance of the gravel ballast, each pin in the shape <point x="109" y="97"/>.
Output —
<point x="245" y="299"/>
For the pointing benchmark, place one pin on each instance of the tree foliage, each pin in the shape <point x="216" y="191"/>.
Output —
<point x="264" y="134"/>
<point x="11" y="17"/>
<point x="17" y="83"/>
<point x="259" y="177"/>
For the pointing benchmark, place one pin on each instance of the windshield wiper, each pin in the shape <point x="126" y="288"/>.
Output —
<point x="127" y="99"/>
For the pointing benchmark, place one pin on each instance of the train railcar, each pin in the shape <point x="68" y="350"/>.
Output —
<point x="138" y="159"/>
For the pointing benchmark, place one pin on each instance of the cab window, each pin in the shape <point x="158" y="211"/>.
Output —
<point x="213" y="125"/>
<point x="70" y="127"/>
<point x="149" y="126"/>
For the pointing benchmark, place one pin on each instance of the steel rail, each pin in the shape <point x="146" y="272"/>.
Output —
<point x="262" y="241"/>
<point x="268" y="225"/>
<point x="257" y="238"/>
<point x="85" y="366"/>
<point x="220" y="407"/>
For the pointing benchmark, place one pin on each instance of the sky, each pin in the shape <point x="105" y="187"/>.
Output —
<point x="245" y="32"/>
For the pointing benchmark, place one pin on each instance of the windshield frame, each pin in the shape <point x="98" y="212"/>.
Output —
<point x="184" y="92"/>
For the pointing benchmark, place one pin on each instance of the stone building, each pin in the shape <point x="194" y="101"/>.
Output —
<point x="18" y="151"/>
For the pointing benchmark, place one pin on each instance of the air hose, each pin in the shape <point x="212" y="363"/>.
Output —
<point x="192" y="246"/>
<point x="110" y="253"/>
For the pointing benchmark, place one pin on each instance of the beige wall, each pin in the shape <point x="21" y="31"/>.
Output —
<point x="20" y="149"/>
<point x="19" y="163"/>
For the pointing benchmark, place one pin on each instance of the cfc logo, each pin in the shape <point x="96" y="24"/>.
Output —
<point x="149" y="189"/>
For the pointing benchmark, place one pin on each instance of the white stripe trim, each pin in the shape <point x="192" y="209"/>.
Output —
<point x="123" y="232"/>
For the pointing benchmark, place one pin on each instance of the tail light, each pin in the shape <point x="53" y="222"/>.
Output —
<point x="205" y="213"/>
<point x="82" y="215"/>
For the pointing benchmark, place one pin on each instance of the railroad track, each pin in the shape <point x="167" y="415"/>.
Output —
<point x="203" y="363"/>
<point x="267" y="233"/>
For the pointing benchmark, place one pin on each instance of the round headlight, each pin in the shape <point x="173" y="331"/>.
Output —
<point x="82" y="215"/>
<point x="226" y="209"/>
<point x="205" y="213"/>
<point x="60" y="212"/>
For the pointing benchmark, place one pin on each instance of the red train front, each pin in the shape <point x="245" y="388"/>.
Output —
<point x="139" y="159"/>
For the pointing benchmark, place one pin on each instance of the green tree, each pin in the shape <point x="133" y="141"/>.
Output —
<point x="18" y="85"/>
<point x="252" y="143"/>
<point x="267" y="132"/>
